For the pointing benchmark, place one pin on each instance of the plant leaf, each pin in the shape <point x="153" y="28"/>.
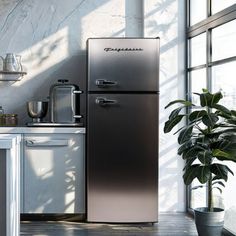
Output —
<point x="197" y="114"/>
<point x="218" y="189"/>
<point x="184" y="102"/>
<point x="233" y="112"/>
<point x="205" y="157"/>
<point x="221" y="108"/>
<point x="219" y="182"/>
<point x="189" y="162"/>
<point x="204" y="90"/>
<point x="190" y="174"/>
<point x="192" y="152"/>
<point x="205" y="99"/>
<point x="203" y="174"/>
<point x="185" y="135"/>
<point x="184" y="147"/>
<point x="175" y="112"/>
<point x="220" y="170"/>
<point x="223" y="155"/>
<point x="208" y="99"/>
<point x="219" y="153"/>
<point x="216" y="98"/>
<point x="170" y="124"/>
<point x="210" y="119"/>
<point x="196" y="187"/>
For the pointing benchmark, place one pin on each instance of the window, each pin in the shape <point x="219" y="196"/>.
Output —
<point x="198" y="11"/>
<point x="211" y="64"/>
<point x="223" y="41"/>
<point x="218" y="5"/>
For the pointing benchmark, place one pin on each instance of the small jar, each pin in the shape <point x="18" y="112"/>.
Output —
<point x="2" y="119"/>
<point x="10" y="119"/>
<point x="1" y="110"/>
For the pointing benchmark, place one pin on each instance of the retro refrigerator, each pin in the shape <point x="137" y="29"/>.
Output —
<point x="122" y="129"/>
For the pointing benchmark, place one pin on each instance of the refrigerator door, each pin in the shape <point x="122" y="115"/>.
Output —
<point x="122" y="158"/>
<point x="123" y="64"/>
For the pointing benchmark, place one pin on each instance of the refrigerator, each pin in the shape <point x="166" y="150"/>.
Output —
<point x="122" y="130"/>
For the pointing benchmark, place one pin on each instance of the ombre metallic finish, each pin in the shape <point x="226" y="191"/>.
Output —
<point x="122" y="128"/>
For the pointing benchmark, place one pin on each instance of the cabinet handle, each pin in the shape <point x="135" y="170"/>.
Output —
<point x="46" y="143"/>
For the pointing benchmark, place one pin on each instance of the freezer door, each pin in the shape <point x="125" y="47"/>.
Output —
<point x="123" y="64"/>
<point x="122" y="154"/>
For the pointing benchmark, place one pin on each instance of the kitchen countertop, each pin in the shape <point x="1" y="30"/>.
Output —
<point x="40" y="130"/>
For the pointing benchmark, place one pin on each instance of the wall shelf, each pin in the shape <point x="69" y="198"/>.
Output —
<point x="11" y="75"/>
<point x="13" y="72"/>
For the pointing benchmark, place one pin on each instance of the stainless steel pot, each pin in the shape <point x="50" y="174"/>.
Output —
<point x="37" y="110"/>
<point x="64" y="102"/>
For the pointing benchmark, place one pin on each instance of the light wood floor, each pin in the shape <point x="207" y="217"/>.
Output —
<point x="177" y="224"/>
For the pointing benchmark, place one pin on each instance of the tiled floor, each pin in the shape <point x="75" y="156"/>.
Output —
<point x="168" y="225"/>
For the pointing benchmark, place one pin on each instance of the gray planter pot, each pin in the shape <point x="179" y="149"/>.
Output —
<point x="209" y="223"/>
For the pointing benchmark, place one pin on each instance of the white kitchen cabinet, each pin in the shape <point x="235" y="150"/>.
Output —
<point x="54" y="173"/>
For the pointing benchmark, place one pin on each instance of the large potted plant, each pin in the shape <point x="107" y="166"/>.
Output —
<point x="206" y="142"/>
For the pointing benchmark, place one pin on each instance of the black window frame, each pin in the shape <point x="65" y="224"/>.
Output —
<point x="205" y="26"/>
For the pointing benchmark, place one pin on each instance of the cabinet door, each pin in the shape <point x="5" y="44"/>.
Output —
<point x="54" y="173"/>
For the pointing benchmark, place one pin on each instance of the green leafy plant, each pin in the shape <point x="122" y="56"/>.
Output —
<point x="208" y="139"/>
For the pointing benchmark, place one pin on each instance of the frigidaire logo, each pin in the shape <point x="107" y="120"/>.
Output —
<point x="122" y="49"/>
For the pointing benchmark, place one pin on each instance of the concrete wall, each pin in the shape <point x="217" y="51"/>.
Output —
<point x="50" y="35"/>
<point x="166" y="20"/>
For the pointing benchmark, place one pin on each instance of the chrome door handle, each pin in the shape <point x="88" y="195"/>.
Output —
<point x="105" y="102"/>
<point x="77" y="92"/>
<point x="77" y="116"/>
<point x="101" y="83"/>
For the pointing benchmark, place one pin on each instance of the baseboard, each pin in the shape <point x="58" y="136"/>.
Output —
<point x="53" y="217"/>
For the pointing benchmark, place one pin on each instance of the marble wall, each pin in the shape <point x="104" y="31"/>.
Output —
<point x="51" y="35"/>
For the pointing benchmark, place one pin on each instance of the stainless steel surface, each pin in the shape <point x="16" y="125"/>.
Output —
<point x="64" y="103"/>
<point x="122" y="128"/>
<point x="123" y="159"/>
<point x="55" y="124"/>
<point x="116" y="64"/>
<point x="37" y="110"/>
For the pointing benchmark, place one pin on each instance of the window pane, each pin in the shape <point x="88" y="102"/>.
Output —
<point x="223" y="77"/>
<point x="218" y="5"/>
<point x="198" y="11"/>
<point x="198" y="82"/>
<point x="223" y="41"/>
<point x="198" y="196"/>
<point x="197" y="47"/>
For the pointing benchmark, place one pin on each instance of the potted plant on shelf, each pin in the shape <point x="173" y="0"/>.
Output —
<point x="206" y="142"/>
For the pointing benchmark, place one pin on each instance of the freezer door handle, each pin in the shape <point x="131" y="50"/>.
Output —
<point x="105" y="102"/>
<point x="77" y="116"/>
<point x="77" y="92"/>
<point x="101" y="83"/>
